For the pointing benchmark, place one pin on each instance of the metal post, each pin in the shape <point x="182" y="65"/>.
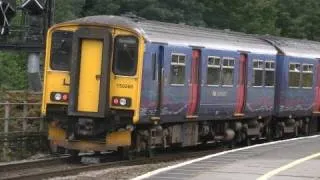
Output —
<point x="34" y="71"/>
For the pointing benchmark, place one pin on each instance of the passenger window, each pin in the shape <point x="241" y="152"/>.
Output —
<point x="258" y="72"/>
<point x="61" y="50"/>
<point x="307" y="75"/>
<point x="125" y="55"/>
<point x="154" y="65"/>
<point x="178" y="69"/>
<point x="227" y="71"/>
<point x="214" y="70"/>
<point x="269" y="73"/>
<point x="294" y="75"/>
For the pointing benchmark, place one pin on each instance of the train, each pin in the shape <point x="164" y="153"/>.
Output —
<point x="128" y="84"/>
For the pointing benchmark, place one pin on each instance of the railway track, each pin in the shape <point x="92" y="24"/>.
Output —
<point x="63" y="167"/>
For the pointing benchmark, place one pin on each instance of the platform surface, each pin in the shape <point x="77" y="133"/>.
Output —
<point x="282" y="160"/>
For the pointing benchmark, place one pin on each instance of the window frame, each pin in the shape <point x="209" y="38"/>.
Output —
<point x="214" y="67"/>
<point x="269" y="69"/>
<point x="261" y="69"/>
<point x="227" y="67"/>
<point x="177" y="64"/>
<point x="154" y="66"/>
<point x="289" y="70"/>
<point x="134" y="75"/>
<point x="306" y="72"/>
<point x="51" y="64"/>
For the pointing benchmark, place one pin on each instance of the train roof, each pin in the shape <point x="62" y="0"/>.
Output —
<point x="296" y="47"/>
<point x="178" y="34"/>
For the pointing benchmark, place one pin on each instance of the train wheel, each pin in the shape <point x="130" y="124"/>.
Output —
<point x="268" y="133"/>
<point x="150" y="152"/>
<point x="248" y="141"/>
<point x="296" y="131"/>
<point x="307" y="129"/>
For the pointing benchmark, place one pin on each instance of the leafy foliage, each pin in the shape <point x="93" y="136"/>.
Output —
<point x="13" y="70"/>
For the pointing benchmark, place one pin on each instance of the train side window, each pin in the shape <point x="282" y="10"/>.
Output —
<point x="154" y="66"/>
<point x="178" y="63"/>
<point x="294" y="75"/>
<point x="227" y="71"/>
<point x="214" y="70"/>
<point x="125" y="55"/>
<point x="307" y="75"/>
<point x="269" y="73"/>
<point x="258" y="67"/>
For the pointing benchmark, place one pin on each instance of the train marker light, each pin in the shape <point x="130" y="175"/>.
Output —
<point x="65" y="97"/>
<point x="121" y="101"/>
<point x="115" y="101"/>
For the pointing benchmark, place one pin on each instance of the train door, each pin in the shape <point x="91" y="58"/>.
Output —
<point x="242" y="85"/>
<point x="89" y="73"/>
<point x="316" y="107"/>
<point x="160" y="78"/>
<point x="194" y="87"/>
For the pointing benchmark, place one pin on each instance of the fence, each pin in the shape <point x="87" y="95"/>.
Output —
<point x="23" y="130"/>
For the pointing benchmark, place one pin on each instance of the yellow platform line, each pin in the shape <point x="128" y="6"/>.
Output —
<point x="287" y="166"/>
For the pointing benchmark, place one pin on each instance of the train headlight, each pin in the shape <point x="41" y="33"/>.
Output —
<point x="57" y="97"/>
<point x="123" y="101"/>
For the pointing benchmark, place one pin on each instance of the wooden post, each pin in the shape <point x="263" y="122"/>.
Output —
<point x="6" y="117"/>
<point x="25" y="114"/>
<point x="6" y="129"/>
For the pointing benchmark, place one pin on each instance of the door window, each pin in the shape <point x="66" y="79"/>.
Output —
<point x="214" y="70"/>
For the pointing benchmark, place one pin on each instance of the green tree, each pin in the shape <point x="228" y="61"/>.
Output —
<point x="13" y="72"/>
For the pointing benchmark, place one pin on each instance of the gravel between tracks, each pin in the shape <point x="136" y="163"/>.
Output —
<point x="120" y="173"/>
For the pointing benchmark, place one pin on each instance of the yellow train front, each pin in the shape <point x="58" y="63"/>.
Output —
<point x="92" y="84"/>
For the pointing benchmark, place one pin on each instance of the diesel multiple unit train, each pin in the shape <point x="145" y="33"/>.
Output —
<point x="117" y="83"/>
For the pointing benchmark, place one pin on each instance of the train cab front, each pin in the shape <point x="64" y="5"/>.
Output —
<point x="91" y="86"/>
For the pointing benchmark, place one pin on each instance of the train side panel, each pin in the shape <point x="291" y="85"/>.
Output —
<point x="217" y="100"/>
<point x="295" y="93"/>
<point x="150" y="85"/>
<point x="260" y="85"/>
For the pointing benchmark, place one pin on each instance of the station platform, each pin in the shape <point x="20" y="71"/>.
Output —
<point x="292" y="159"/>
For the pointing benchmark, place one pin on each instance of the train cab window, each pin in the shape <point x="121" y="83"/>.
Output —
<point x="214" y="70"/>
<point x="269" y="73"/>
<point x="61" y="50"/>
<point x="294" y="75"/>
<point x="258" y="67"/>
<point x="307" y="75"/>
<point x="125" y="55"/>
<point x="227" y="71"/>
<point x="178" y="63"/>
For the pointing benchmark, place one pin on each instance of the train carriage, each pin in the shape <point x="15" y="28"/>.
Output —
<point x="117" y="83"/>
<point x="296" y="99"/>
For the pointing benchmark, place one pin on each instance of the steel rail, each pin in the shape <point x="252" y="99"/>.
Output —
<point x="48" y="173"/>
